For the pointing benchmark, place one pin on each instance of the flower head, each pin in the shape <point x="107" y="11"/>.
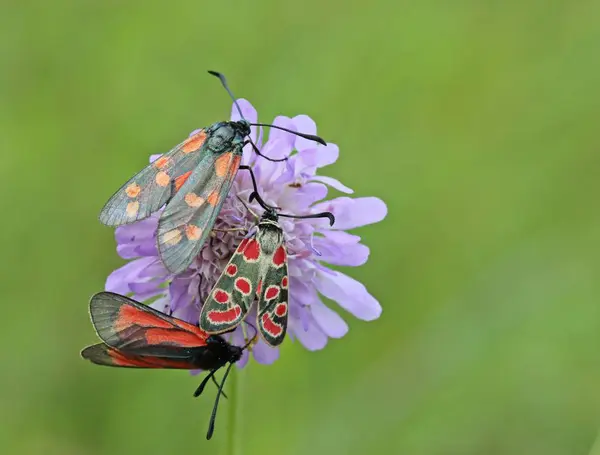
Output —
<point x="295" y="187"/>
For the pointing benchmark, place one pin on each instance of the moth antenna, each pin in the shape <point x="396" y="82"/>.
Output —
<point x="213" y="415"/>
<point x="316" y="215"/>
<point x="254" y="214"/>
<point x="226" y="87"/>
<point x="249" y="141"/>
<point x="202" y="385"/>
<point x="310" y="137"/>
<point x="217" y="384"/>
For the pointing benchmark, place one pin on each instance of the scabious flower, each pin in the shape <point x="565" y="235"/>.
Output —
<point x="295" y="187"/>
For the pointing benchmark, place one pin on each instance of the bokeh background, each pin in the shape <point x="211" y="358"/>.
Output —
<point x="476" y="121"/>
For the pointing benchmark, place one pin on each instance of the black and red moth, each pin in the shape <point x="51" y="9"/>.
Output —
<point x="137" y="336"/>
<point x="257" y="270"/>
<point x="193" y="180"/>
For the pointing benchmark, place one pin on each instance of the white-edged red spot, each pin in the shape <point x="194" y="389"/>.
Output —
<point x="133" y="190"/>
<point x="171" y="237"/>
<point x="281" y="309"/>
<point x="243" y="285"/>
<point x="193" y="200"/>
<point x="224" y="317"/>
<point x="269" y="326"/>
<point x="251" y="251"/>
<point x="132" y="209"/>
<point x="272" y="292"/>
<point x="284" y="282"/>
<point x="162" y="179"/>
<point x="221" y="296"/>
<point x="193" y="232"/>
<point x="279" y="257"/>
<point x="231" y="270"/>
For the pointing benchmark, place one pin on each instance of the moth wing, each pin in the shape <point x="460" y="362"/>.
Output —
<point x="102" y="354"/>
<point x="189" y="217"/>
<point x="126" y="325"/>
<point x="230" y="299"/>
<point x="273" y="298"/>
<point x="153" y="186"/>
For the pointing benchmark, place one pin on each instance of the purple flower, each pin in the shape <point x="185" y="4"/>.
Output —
<point x="295" y="187"/>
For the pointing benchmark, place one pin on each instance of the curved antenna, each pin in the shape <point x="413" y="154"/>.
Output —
<point x="213" y="415"/>
<point x="310" y="137"/>
<point x="226" y="86"/>
<point x="253" y="337"/>
<point x="202" y="385"/>
<point x="267" y="207"/>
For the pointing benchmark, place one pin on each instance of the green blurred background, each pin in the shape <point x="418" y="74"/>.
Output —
<point x="476" y="121"/>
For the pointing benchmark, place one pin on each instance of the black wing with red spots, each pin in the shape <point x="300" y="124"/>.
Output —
<point x="257" y="270"/>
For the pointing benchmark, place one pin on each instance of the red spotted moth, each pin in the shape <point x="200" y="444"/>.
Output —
<point x="136" y="336"/>
<point x="191" y="181"/>
<point x="257" y="270"/>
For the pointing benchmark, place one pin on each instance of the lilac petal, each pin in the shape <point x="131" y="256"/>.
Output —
<point x="147" y="287"/>
<point x="178" y="293"/>
<point x="351" y="213"/>
<point x="153" y="158"/>
<point x="349" y="294"/>
<point x="328" y="320"/>
<point x="334" y="183"/>
<point x="188" y="313"/>
<point x="317" y="156"/>
<point x="139" y="231"/>
<point x="296" y="200"/>
<point x="348" y="255"/>
<point x="132" y="251"/>
<point x="312" y="338"/>
<point x="286" y="139"/>
<point x="265" y="354"/>
<point x="304" y="124"/>
<point x="118" y="281"/>
<point x="197" y="130"/>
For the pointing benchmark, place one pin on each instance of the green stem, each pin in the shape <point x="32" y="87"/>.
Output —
<point x="234" y="433"/>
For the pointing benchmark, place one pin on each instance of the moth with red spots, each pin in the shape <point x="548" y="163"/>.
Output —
<point x="193" y="180"/>
<point x="136" y="336"/>
<point x="257" y="270"/>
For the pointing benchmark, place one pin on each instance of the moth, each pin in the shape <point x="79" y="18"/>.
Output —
<point x="137" y="336"/>
<point x="191" y="181"/>
<point x="256" y="271"/>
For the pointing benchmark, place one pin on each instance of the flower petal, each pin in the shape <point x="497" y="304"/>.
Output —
<point x="118" y="281"/>
<point x="348" y="293"/>
<point x="348" y="255"/>
<point x="311" y="337"/>
<point x="264" y="354"/>
<point x="317" y="156"/>
<point x="304" y="124"/>
<point x="334" y="183"/>
<point x="328" y="320"/>
<point x="351" y="213"/>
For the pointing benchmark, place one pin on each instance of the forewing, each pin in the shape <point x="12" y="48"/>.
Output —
<point x="102" y="354"/>
<point x="153" y="186"/>
<point x="233" y="294"/>
<point x="189" y="217"/>
<point x="126" y="325"/>
<point x="273" y="297"/>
